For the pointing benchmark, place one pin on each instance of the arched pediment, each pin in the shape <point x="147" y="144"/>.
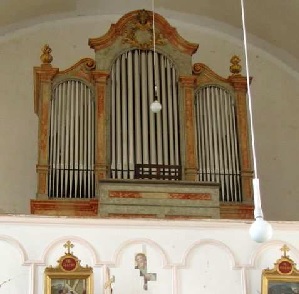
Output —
<point x="136" y="30"/>
<point x="207" y="75"/>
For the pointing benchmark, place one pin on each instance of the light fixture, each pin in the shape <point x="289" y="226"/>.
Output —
<point x="260" y="230"/>
<point x="156" y="105"/>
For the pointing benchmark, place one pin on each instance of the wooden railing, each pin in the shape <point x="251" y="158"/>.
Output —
<point x="158" y="172"/>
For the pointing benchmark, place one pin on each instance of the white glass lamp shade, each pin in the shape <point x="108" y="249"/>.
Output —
<point x="260" y="231"/>
<point x="156" y="106"/>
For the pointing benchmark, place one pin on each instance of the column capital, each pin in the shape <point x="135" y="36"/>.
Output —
<point x="100" y="76"/>
<point x="188" y="81"/>
<point x="43" y="76"/>
<point x="239" y="82"/>
<point x="45" y="72"/>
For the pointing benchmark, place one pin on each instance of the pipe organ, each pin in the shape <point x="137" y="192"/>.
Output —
<point x="217" y="141"/>
<point x="102" y="152"/>
<point x="71" y="141"/>
<point x="139" y="136"/>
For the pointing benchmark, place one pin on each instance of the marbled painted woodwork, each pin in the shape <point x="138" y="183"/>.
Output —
<point x="240" y="85"/>
<point x="42" y="94"/>
<point x="187" y="84"/>
<point x="236" y="84"/>
<point x="101" y="166"/>
<point x="158" y="199"/>
<point x="236" y="211"/>
<point x="45" y="77"/>
<point x="128" y="33"/>
<point x="42" y="171"/>
<point x="135" y="30"/>
<point x="160" y="195"/>
<point x="65" y="207"/>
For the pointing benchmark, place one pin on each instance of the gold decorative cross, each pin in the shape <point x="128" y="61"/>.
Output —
<point x="68" y="245"/>
<point x="285" y="249"/>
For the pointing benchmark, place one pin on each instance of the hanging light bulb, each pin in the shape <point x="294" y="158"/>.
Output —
<point x="156" y="105"/>
<point x="260" y="230"/>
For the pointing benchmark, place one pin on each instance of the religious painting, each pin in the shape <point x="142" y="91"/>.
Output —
<point x="283" y="278"/>
<point x="69" y="277"/>
<point x="141" y="265"/>
<point x="68" y="286"/>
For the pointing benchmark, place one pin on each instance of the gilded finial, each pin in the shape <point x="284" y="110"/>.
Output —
<point x="46" y="57"/>
<point x="235" y="67"/>
<point x="285" y="249"/>
<point x="68" y="245"/>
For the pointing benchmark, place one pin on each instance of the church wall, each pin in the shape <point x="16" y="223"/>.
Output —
<point x="275" y="90"/>
<point x="186" y="256"/>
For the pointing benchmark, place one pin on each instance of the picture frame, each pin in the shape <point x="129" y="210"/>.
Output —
<point x="68" y="277"/>
<point x="282" y="278"/>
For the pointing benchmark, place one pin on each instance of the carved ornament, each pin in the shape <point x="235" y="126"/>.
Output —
<point x="206" y="74"/>
<point x="72" y="276"/>
<point x="85" y="64"/>
<point x="46" y="57"/>
<point x="140" y="34"/>
<point x="135" y="28"/>
<point x="282" y="276"/>
<point x="83" y="69"/>
<point x="235" y="67"/>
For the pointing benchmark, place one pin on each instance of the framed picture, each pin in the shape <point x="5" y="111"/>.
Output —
<point x="69" y="277"/>
<point x="282" y="278"/>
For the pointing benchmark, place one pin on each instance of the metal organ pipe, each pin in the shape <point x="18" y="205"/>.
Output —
<point x="146" y="138"/>
<point x="71" y="141"/>
<point x="217" y="140"/>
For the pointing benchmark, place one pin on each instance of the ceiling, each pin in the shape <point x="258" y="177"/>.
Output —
<point x="270" y="24"/>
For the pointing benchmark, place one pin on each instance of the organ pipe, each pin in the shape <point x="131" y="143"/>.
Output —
<point x="217" y="141"/>
<point x="71" y="141"/>
<point x="137" y="135"/>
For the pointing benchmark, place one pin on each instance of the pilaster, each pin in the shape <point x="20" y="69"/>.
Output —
<point x="240" y="85"/>
<point x="187" y="84"/>
<point x="43" y="76"/>
<point x="101" y="160"/>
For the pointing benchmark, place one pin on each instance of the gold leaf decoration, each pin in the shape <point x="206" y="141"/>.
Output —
<point x="140" y="33"/>
<point x="235" y="67"/>
<point x="46" y="57"/>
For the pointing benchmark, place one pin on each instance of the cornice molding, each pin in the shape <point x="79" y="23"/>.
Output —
<point x="133" y="223"/>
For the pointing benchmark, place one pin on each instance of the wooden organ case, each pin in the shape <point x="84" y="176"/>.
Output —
<point x="102" y="152"/>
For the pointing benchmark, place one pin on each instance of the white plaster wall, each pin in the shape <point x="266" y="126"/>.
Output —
<point x="275" y="89"/>
<point x="187" y="256"/>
